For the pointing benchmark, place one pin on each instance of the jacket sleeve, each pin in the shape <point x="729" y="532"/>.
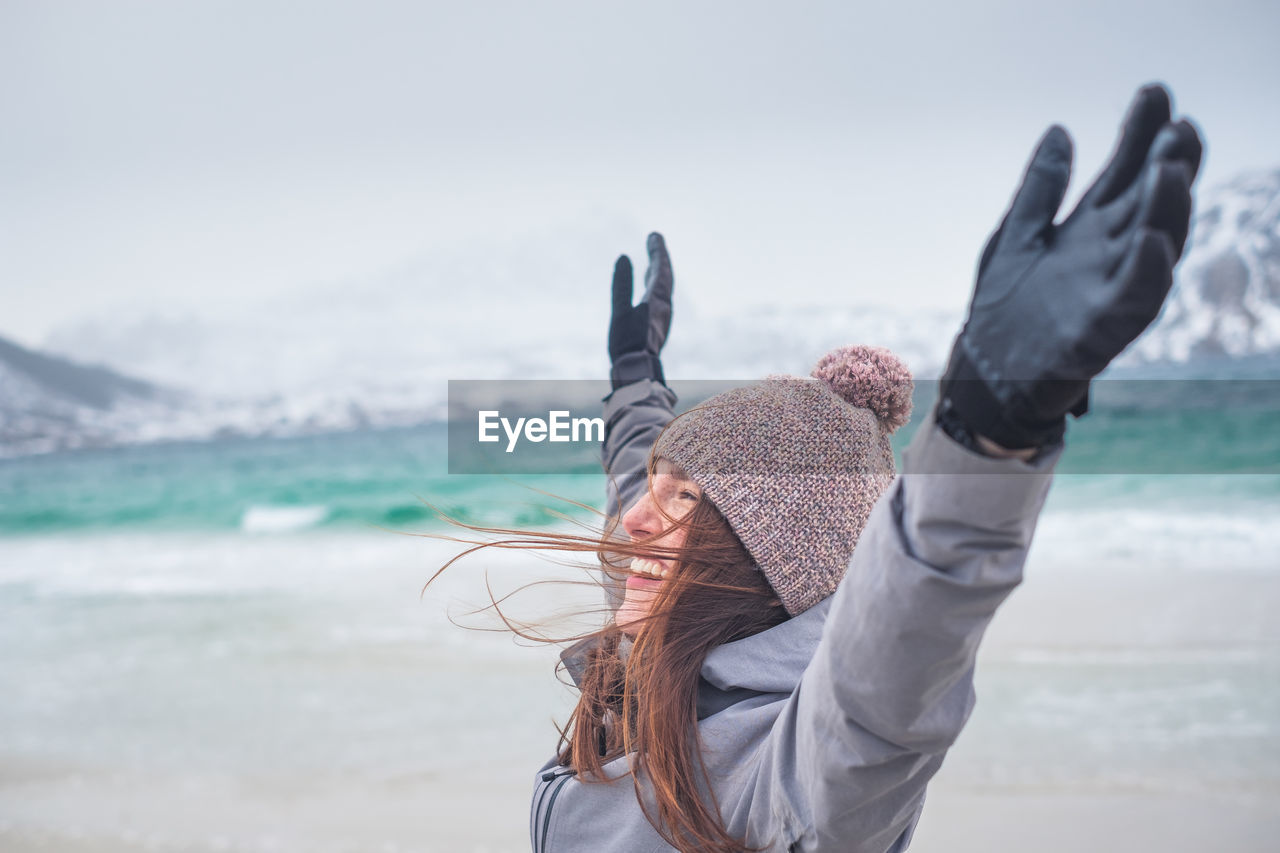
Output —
<point x="634" y="415"/>
<point x="891" y="683"/>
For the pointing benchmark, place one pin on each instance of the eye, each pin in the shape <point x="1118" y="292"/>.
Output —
<point x="686" y="495"/>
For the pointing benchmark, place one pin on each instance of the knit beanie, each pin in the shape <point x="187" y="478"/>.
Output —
<point x="795" y="465"/>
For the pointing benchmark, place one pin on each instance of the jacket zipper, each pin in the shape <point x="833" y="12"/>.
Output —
<point x="552" y="776"/>
<point x="537" y="809"/>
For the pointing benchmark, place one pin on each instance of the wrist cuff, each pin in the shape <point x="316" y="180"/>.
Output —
<point x="635" y="366"/>
<point x="967" y="406"/>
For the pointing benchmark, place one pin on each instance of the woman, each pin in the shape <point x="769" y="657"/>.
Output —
<point x="763" y="683"/>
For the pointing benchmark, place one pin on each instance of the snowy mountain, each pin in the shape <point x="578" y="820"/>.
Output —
<point x="50" y="403"/>
<point x="1226" y="302"/>
<point x="310" y="369"/>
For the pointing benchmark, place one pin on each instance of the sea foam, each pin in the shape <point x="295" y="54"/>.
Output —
<point x="281" y="519"/>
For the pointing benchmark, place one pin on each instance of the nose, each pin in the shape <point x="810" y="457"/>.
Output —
<point x="639" y="520"/>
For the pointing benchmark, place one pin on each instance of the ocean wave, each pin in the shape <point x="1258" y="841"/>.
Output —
<point x="282" y="519"/>
<point x="1136" y="538"/>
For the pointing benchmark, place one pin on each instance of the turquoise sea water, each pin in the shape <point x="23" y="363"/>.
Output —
<point x="1151" y="441"/>
<point x="348" y="480"/>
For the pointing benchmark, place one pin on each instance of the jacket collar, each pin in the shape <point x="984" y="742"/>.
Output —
<point x="769" y="662"/>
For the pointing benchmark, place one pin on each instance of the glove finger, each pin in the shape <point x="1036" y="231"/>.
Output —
<point x="1145" y="278"/>
<point x="658" y="280"/>
<point x="1156" y="200"/>
<point x="1149" y="112"/>
<point x="1043" y="186"/>
<point x="1168" y="203"/>
<point x="622" y="285"/>
<point x="1122" y="213"/>
<point x="1144" y="282"/>
<point x="990" y="249"/>
<point x="1180" y="141"/>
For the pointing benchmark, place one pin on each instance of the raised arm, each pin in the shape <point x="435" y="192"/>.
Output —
<point x="640" y="404"/>
<point x="891" y="684"/>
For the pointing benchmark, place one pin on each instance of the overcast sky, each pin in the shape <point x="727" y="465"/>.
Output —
<point x="160" y="157"/>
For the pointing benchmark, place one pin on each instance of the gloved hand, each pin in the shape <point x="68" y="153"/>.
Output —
<point x="637" y="332"/>
<point x="1055" y="303"/>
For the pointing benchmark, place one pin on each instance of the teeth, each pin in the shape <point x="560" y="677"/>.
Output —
<point x="649" y="567"/>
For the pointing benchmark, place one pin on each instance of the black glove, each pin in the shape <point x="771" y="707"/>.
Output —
<point x="637" y="333"/>
<point x="1054" y="304"/>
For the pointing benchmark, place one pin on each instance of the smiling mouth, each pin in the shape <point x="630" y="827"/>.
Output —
<point x="652" y="568"/>
<point x="643" y="582"/>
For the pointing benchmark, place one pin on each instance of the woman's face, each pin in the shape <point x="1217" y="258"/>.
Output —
<point x="670" y="492"/>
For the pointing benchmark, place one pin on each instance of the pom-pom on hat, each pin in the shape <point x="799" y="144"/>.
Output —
<point x="795" y="464"/>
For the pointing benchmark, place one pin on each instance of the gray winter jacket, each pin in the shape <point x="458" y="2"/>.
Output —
<point x="820" y="734"/>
